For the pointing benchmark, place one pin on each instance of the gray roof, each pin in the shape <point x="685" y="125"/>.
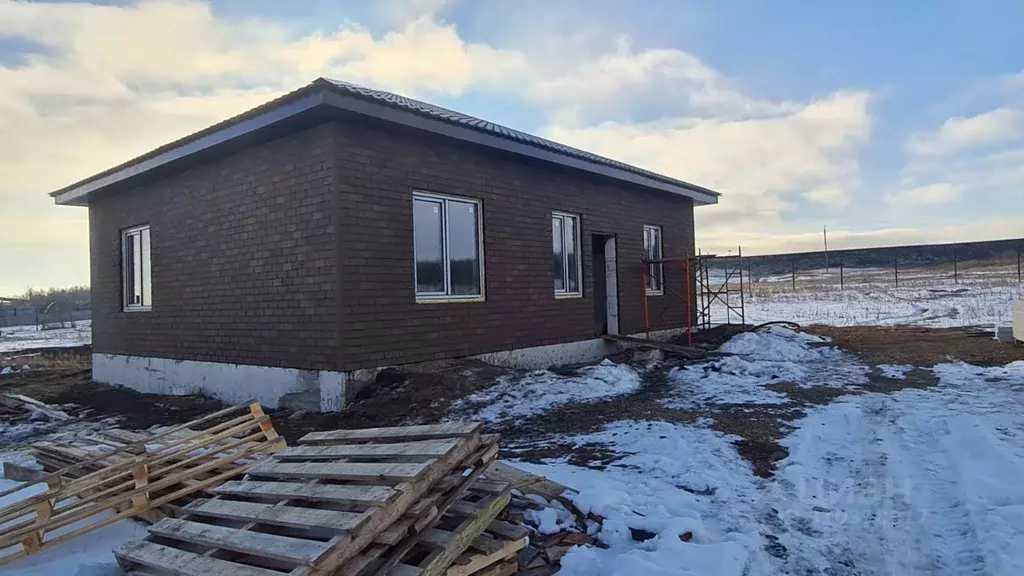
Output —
<point x="324" y="92"/>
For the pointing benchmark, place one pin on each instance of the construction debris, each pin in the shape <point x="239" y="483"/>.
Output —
<point x="133" y="479"/>
<point x="417" y="500"/>
<point x="224" y="495"/>
<point x="18" y="409"/>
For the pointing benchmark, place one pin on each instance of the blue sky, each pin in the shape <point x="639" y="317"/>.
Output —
<point x="890" y="122"/>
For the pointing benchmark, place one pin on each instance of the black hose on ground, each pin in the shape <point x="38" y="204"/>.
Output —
<point x="786" y="323"/>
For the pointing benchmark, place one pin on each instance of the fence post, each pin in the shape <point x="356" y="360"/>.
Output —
<point x="841" y="287"/>
<point x="792" y="264"/>
<point x="896" y="270"/>
<point x="956" y="275"/>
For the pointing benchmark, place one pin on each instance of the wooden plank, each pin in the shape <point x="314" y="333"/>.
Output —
<point x="470" y="564"/>
<point x="524" y="481"/>
<point x="506" y="568"/>
<point x="180" y="562"/>
<point x="396" y="434"/>
<point x="284" y="548"/>
<point x="420" y="450"/>
<point x="508" y="530"/>
<point x="387" y="472"/>
<point x="341" y="494"/>
<point x="689" y="352"/>
<point x="291" y="516"/>
<point x="466" y="533"/>
<point x="386" y="515"/>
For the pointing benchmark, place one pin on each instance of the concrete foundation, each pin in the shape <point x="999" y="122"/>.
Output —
<point x="274" y="387"/>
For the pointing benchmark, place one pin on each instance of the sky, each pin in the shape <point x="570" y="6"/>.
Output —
<point x="887" y="122"/>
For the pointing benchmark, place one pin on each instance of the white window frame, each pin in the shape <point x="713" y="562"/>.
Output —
<point x="566" y="293"/>
<point x="145" y="275"/>
<point x="660" y="267"/>
<point x="447" y="296"/>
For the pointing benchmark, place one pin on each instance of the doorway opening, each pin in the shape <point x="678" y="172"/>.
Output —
<point x="606" y="284"/>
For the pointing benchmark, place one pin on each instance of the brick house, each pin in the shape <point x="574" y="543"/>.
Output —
<point x="335" y="230"/>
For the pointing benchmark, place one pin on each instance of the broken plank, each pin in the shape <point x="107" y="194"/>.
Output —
<point x="284" y="548"/>
<point x="396" y="434"/>
<point x="388" y="472"/>
<point x="409" y="450"/>
<point x="508" y="530"/>
<point x="291" y="516"/>
<point x="470" y="564"/>
<point x="180" y="562"/>
<point x="341" y="494"/>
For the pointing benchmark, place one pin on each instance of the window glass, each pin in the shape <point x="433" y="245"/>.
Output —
<point x="136" y="264"/>
<point x="429" y="246"/>
<point x="558" y="238"/>
<point x="652" y="251"/>
<point x="571" y="255"/>
<point x="146" y="267"/>
<point x="463" y="248"/>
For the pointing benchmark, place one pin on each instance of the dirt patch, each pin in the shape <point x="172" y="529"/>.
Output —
<point x="572" y="419"/>
<point x="136" y="410"/>
<point x="414" y="394"/>
<point x="924" y="347"/>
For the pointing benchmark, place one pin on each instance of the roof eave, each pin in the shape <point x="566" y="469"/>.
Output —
<point x="78" y="194"/>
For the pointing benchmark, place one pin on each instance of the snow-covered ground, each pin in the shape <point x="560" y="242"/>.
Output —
<point x="514" y="398"/>
<point x="87" y="555"/>
<point x="15" y="338"/>
<point x="921" y="481"/>
<point x="916" y="482"/>
<point x="870" y="297"/>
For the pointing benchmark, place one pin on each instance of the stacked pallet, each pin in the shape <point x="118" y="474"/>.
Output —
<point x="133" y="479"/>
<point x="401" y="501"/>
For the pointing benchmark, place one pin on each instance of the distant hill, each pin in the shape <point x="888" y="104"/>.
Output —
<point x="906" y="256"/>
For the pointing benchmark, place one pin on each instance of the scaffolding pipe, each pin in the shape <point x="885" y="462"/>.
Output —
<point x="643" y="280"/>
<point x="689" y="328"/>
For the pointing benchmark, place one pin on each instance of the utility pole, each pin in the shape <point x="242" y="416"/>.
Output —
<point x="824" y="232"/>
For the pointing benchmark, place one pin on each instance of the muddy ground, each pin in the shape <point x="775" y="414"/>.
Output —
<point x="424" y="393"/>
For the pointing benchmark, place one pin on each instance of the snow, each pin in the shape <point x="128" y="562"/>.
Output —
<point x="643" y="491"/>
<point x="916" y="482"/>
<point x="17" y="338"/>
<point x="87" y="555"/>
<point x="774" y="355"/>
<point x="870" y="297"/>
<point x="895" y="371"/>
<point x="539" y="391"/>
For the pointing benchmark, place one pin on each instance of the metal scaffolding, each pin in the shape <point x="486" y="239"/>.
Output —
<point x="720" y="294"/>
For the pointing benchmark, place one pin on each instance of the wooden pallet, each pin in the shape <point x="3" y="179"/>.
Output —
<point x="309" y="510"/>
<point x="457" y="510"/>
<point x="493" y="552"/>
<point x="131" y="481"/>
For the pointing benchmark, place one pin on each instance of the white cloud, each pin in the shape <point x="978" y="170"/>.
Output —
<point x="113" y="82"/>
<point x="761" y="165"/>
<point x="930" y="194"/>
<point x="958" y="133"/>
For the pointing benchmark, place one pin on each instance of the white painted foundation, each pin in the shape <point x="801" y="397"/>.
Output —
<point x="309" y="389"/>
<point x="579" y="352"/>
<point x="231" y="383"/>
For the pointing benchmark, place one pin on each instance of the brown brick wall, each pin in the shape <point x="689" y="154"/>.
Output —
<point x="244" y="260"/>
<point x="379" y="166"/>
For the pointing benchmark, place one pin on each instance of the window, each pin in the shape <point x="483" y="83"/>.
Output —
<point x="447" y="247"/>
<point x="652" y="251"/>
<point x="136" y="269"/>
<point x="565" y="232"/>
